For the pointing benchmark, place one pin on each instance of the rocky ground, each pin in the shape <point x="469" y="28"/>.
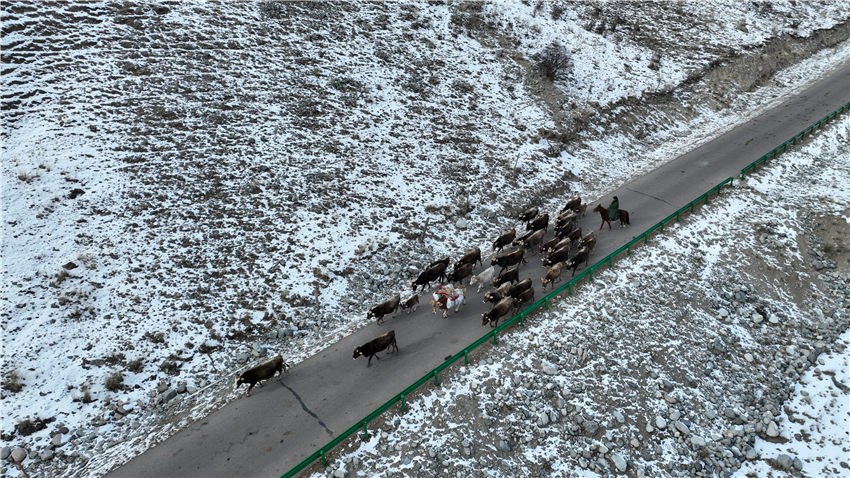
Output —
<point x="190" y="186"/>
<point x="675" y="363"/>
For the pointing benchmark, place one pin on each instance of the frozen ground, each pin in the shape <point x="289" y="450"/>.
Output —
<point x="723" y="343"/>
<point x="185" y="185"/>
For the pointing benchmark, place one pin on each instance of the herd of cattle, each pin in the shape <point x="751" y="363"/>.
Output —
<point x="508" y="292"/>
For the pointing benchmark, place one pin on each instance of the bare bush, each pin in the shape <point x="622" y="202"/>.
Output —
<point x="553" y="61"/>
<point x="115" y="382"/>
<point x="136" y="365"/>
<point x="12" y="382"/>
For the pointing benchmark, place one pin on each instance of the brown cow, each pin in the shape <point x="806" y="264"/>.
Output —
<point x="548" y="245"/>
<point x="386" y="307"/>
<point x="519" y="288"/>
<point x="540" y="222"/>
<point x="588" y="240"/>
<point x="459" y="274"/>
<point x="263" y="371"/>
<point x="498" y="293"/>
<point x="498" y="310"/>
<point x="371" y="348"/>
<point x="565" y="242"/>
<point x="510" y="275"/>
<point x="573" y="204"/>
<point x="534" y="239"/>
<point x="445" y="261"/>
<point x="523" y="298"/>
<point x="504" y="240"/>
<point x="553" y="273"/>
<point x="471" y="257"/>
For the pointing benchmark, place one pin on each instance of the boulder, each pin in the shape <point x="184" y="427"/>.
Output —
<point x="18" y="454"/>
<point x="619" y="462"/>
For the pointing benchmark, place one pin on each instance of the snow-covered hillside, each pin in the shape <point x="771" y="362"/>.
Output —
<point x="185" y="184"/>
<point x="685" y="362"/>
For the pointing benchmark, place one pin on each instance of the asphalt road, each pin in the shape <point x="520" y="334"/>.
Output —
<point x="282" y="423"/>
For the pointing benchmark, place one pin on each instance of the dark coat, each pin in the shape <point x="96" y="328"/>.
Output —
<point x="371" y="348"/>
<point x="263" y="371"/>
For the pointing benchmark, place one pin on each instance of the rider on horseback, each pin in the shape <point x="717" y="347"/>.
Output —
<point x="614" y="209"/>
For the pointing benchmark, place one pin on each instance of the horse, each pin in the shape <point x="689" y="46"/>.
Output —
<point x="624" y="216"/>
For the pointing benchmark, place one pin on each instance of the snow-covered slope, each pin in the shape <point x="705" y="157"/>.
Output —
<point x="180" y="179"/>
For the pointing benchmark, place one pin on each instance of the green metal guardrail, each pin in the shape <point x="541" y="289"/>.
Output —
<point x="544" y="301"/>
<point x="798" y="137"/>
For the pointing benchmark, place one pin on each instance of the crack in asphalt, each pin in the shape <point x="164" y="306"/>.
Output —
<point x="649" y="195"/>
<point x="298" y="397"/>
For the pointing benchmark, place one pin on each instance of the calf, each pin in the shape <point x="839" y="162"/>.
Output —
<point x="429" y="275"/>
<point x="410" y="304"/>
<point x="519" y="288"/>
<point x="499" y="309"/>
<point x="540" y="222"/>
<point x="264" y="371"/>
<point x="528" y="215"/>
<point x="484" y="277"/>
<point x="509" y="259"/>
<point x="523" y="298"/>
<point x="498" y="293"/>
<point x="553" y="273"/>
<point x="588" y="240"/>
<point x="378" y="344"/>
<point x="510" y="275"/>
<point x="583" y="255"/>
<point x="559" y="255"/>
<point x="504" y="240"/>
<point x="470" y="257"/>
<point x="461" y="273"/>
<point x="386" y="307"/>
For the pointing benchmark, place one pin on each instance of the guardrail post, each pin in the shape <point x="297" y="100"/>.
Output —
<point x="365" y="431"/>
<point x="403" y="404"/>
<point x="629" y="250"/>
<point x="324" y="460"/>
<point x="645" y="238"/>
<point x="569" y="289"/>
<point x="495" y="338"/>
<point x="590" y="274"/>
<point x="466" y="357"/>
<point x="436" y="381"/>
<point x="546" y="304"/>
<point x="677" y="216"/>
<point x="522" y="320"/>
<point x="611" y="262"/>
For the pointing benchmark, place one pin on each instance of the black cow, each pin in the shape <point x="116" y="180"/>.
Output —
<point x="565" y="242"/>
<point x="524" y="297"/>
<point x="528" y="215"/>
<point x="437" y="271"/>
<point x="540" y="222"/>
<point x="386" y="307"/>
<point x="565" y="229"/>
<point x="501" y="308"/>
<point x="378" y="344"/>
<point x="519" y="288"/>
<point x="550" y="244"/>
<point x="471" y="257"/>
<point x="575" y="234"/>
<point x="510" y="275"/>
<point x="557" y="256"/>
<point x="444" y="261"/>
<point x="573" y="204"/>
<point x="588" y="240"/>
<point x="509" y="259"/>
<point x="583" y="255"/>
<point x="498" y="293"/>
<point x="263" y="371"/>
<point x="523" y="237"/>
<point x="460" y="273"/>
<point x="504" y="240"/>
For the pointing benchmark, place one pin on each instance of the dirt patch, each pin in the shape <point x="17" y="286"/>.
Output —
<point x="834" y="232"/>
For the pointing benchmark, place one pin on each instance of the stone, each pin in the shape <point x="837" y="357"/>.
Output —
<point x="181" y="387"/>
<point x="243" y="357"/>
<point x="773" y="319"/>
<point x="161" y="387"/>
<point x="461" y="223"/>
<point x="619" y="462"/>
<point x="619" y="417"/>
<point x="548" y="368"/>
<point x="723" y="313"/>
<point x="56" y="440"/>
<point x="797" y="464"/>
<point x="5" y="452"/>
<point x="169" y="395"/>
<point x="660" y="422"/>
<point x="191" y="389"/>
<point x="771" y="430"/>
<point x="710" y="414"/>
<point x="18" y="454"/>
<point x="504" y="446"/>
<point x="757" y="318"/>
<point x="675" y="415"/>
<point x="46" y="455"/>
<point x="543" y="419"/>
<point x="697" y="441"/>
<point x="340" y="472"/>
<point x="683" y="429"/>
<point x="603" y="449"/>
<point x="748" y="357"/>
<point x="784" y="461"/>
